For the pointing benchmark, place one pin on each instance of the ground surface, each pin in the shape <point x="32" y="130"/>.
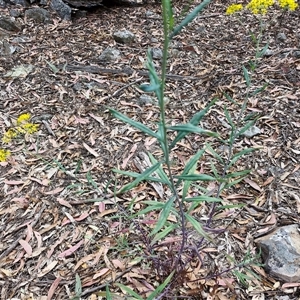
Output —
<point x="56" y="188"/>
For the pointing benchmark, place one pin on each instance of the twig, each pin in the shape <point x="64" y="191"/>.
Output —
<point x="126" y="71"/>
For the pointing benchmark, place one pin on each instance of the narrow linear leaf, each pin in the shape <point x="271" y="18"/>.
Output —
<point x="263" y="51"/>
<point x="161" y="287"/>
<point x="196" y="177"/>
<point x="142" y="177"/>
<point x="246" y="127"/>
<point x="246" y="76"/>
<point x="78" y="287"/>
<point x="198" y="227"/>
<point x="228" y="117"/>
<point x="52" y="66"/>
<point x="163" y="234"/>
<point x="135" y="175"/>
<point x="193" y="161"/>
<point x="133" y="123"/>
<point x="228" y="97"/>
<point x="187" y="184"/>
<point x="195" y="120"/>
<point x="192" y="128"/>
<point x="214" y="153"/>
<point x="163" y="216"/>
<point x="244" y="152"/>
<point x="108" y="294"/>
<point x="148" y="209"/>
<point x="237" y="174"/>
<point x="149" y="87"/>
<point x="190" y="17"/>
<point x="259" y="90"/>
<point x="233" y="183"/>
<point x="160" y="172"/>
<point x="203" y="199"/>
<point x="129" y="291"/>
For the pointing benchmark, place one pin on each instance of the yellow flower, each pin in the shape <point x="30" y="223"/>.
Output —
<point x="231" y="9"/>
<point x="4" y="154"/>
<point x="9" y="135"/>
<point x="29" y="128"/>
<point x="288" y="4"/>
<point x="23" y="118"/>
<point x="259" y="6"/>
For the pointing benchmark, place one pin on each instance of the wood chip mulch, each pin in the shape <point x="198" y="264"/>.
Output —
<point x="59" y="217"/>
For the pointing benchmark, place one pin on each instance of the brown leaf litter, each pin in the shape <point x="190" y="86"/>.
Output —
<point x="58" y="212"/>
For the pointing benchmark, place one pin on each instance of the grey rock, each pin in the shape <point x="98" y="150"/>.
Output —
<point x="2" y="4"/>
<point x="124" y="37"/>
<point x="251" y="131"/>
<point x="281" y="37"/>
<point x="156" y="53"/>
<point x="38" y="15"/>
<point x="9" y="25"/>
<point x="297" y="54"/>
<point x="109" y="55"/>
<point x="281" y="253"/>
<point x="6" y="48"/>
<point x="15" y="13"/>
<point x="201" y="29"/>
<point x="144" y="100"/>
<point x="84" y="3"/>
<point x="23" y="3"/>
<point x="62" y="9"/>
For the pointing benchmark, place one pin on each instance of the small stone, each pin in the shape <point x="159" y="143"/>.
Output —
<point x="281" y="253"/>
<point x="109" y="55"/>
<point x="251" y="131"/>
<point x="268" y="52"/>
<point x="144" y="100"/>
<point x="152" y="15"/>
<point x="124" y="37"/>
<point x="156" y="53"/>
<point x="281" y="37"/>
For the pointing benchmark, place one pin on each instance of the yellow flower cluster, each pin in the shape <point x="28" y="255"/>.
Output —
<point x="9" y="135"/>
<point x="4" y="154"/>
<point x="231" y="9"/>
<point x="24" y="118"/>
<point x="259" y="6"/>
<point x="23" y="127"/>
<point x="288" y="4"/>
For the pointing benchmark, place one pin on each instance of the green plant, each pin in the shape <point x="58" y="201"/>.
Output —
<point x="173" y="265"/>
